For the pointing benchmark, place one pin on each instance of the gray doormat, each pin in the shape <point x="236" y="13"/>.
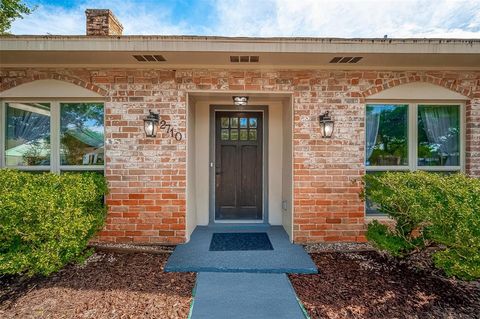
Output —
<point x="240" y="241"/>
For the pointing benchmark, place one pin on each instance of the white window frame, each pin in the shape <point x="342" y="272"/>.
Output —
<point x="412" y="138"/>
<point x="54" y="166"/>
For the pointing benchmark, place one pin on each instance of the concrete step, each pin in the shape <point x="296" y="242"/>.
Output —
<point x="285" y="257"/>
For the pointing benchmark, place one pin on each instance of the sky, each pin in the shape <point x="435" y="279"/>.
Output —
<point x="265" y="18"/>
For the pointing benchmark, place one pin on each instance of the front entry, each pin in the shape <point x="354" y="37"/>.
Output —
<point x="238" y="166"/>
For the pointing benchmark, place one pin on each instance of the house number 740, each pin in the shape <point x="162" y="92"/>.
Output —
<point x="170" y="130"/>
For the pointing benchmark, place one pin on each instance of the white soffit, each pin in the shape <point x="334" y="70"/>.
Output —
<point x="417" y="91"/>
<point x="48" y="89"/>
<point x="217" y="52"/>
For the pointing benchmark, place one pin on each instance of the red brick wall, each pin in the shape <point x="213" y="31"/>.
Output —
<point x="147" y="177"/>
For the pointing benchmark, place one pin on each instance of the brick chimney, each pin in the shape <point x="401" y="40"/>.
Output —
<point x="102" y="22"/>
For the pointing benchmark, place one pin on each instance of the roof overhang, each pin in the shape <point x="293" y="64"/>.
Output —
<point x="197" y="51"/>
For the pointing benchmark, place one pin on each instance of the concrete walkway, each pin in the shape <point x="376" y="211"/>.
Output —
<point x="244" y="296"/>
<point x="242" y="284"/>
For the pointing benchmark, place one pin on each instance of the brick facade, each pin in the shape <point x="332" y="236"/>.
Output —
<point x="102" y="22"/>
<point x="147" y="177"/>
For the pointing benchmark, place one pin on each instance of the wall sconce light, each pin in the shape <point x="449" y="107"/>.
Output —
<point x="150" y="124"/>
<point x="240" y="100"/>
<point x="326" y="125"/>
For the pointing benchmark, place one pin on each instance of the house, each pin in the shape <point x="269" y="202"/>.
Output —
<point x="260" y="131"/>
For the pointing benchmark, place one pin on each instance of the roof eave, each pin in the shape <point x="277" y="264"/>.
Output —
<point x="143" y="43"/>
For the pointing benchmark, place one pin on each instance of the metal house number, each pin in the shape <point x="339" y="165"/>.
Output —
<point x="170" y="130"/>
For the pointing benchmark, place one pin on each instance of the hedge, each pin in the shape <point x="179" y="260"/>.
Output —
<point x="429" y="209"/>
<point x="46" y="219"/>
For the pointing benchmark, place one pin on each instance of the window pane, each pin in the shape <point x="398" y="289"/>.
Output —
<point x="243" y="122"/>
<point x="224" y="122"/>
<point x="224" y="135"/>
<point x="27" y="134"/>
<point x="386" y="135"/>
<point x="252" y="135"/>
<point x="372" y="208"/>
<point x="438" y="135"/>
<point x="234" y="135"/>
<point x="234" y="122"/>
<point x="81" y="134"/>
<point x="243" y="135"/>
<point x="252" y="122"/>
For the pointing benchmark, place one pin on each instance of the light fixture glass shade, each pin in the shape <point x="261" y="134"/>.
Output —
<point x="150" y="130"/>
<point x="326" y="125"/>
<point x="150" y="124"/>
<point x="328" y="129"/>
<point x="240" y="100"/>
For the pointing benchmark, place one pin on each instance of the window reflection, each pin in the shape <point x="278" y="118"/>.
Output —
<point x="243" y="135"/>
<point x="387" y="135"/>
<point x="243" y="122"/>
<point x="27" y="134"/>
<point x="224" y="135"/>
<point x="81" y="134"/>
<point x="438" y="135"/>
<point x="224" y="122"/>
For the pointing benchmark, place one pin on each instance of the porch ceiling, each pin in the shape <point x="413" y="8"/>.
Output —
<point x="215" y="52"/>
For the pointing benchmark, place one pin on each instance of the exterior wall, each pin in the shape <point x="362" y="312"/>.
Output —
<point x="147" y="177"/>
<point x="287" y="160"/>
<point x="202" y="160"/>
<point x="275" y="163"/>
<point x="191" y="199"/>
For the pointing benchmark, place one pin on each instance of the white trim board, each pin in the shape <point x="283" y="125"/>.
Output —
<point x="417" y="91"/>
<point x="48" y="89"/>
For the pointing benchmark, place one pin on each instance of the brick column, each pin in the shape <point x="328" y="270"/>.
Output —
<point x="473" y="137"/>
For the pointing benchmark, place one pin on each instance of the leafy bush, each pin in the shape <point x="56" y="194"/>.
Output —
<point x="386" y="239"/>
<point x="429" y="208"/>
<point x="47" y="219"/>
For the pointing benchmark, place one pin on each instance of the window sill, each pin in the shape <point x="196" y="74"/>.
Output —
<point x="381" y="218"/>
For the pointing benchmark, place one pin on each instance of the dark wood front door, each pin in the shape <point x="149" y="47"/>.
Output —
<point x="238" y="165"/>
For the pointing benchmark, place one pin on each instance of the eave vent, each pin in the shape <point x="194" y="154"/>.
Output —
<point x="346" y="59"/>
<point x="244" y="58"/>
<point x="150" y="58"/>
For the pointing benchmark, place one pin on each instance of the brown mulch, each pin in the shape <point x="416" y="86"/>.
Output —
<point x="108" y="285"/>
<point x="369" y="285"/>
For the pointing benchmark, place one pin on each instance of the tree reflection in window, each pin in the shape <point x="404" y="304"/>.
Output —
<point x="387" y="135"/>
<point x="81" y="134"/>
<point x="28" y="134"/>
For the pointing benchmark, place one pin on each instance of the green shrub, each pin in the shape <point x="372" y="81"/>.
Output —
<point x="386" y="239"/>
<point x="47" y="219"/>
<point x="429" y="208"/>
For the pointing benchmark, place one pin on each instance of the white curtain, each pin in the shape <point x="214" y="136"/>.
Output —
<point x="441" y="127"/>
<point x="373" y="122"/>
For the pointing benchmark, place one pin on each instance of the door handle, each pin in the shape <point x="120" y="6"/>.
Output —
<point x="217" y="171"/>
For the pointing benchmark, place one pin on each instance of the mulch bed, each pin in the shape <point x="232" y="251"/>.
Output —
<point x="108" y="285"/>
<point x="369" y="285"/>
